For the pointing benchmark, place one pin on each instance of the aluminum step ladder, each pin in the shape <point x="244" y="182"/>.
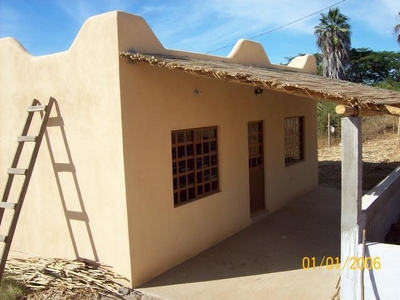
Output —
<point x="16" y="170"/>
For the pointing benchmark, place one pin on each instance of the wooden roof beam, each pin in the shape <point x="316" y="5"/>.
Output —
<point x="353" y="111"/>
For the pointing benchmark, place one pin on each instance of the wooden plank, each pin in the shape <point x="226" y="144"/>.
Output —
<point x="27" y="139"/>
<point x="16" y="171"/>
<point x="3" y="238"/>
<point x="36" y="108"/>
<point x="8" y="205"/>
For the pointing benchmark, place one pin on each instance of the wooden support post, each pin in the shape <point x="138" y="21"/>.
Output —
<point x="351" y="216"/>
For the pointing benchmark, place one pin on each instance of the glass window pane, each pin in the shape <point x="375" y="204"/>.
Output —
<point x="182" y="166"/>
<point x="190" y="164"/>
<point x="206" y="147"/>
<point x="189" y="150"/>
<point x="181" y="151"/>
<point x="213" y="146"/>
<point x="181" y="137"/>
<point x="173" y="139"/>
<point x="199" y="177"/>
<point x="192" y="193"/>
<point x="206" y="175"/>
<point x="206" y="134"/>
<point x="213" y="159"/>
<point x="206" y="161"/>
<point x="199" y="163"/>
<point x="191" y="179"/>
<point x="200" y="190"/>
<point x="176" y="198"/>
<point x="174" y="168"/>
<point x="182" y="196"/>
<point x="198" y="149"/>
<point x="189" y="136"/>
<point x="214" y="185"/>
<point x="173" y="153"/>
<point x="182" y="181"/>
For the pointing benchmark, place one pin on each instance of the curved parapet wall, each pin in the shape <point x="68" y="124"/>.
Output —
<point x="135" y="35"/>
<point x="249" y="53"/>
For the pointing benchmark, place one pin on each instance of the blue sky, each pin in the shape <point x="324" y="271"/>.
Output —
<point x="48" y="26"/>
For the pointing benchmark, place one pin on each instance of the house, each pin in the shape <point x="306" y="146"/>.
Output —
<point x="142" y="168"/>
<point x="153" y="155"/>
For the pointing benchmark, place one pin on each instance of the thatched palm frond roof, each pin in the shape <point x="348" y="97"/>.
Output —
<point x="367" y="100"/>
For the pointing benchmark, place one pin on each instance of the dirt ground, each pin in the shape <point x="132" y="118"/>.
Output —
<point x="380" y="157"/>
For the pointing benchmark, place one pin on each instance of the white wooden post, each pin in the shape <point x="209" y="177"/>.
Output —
<point x="351" y="216"/>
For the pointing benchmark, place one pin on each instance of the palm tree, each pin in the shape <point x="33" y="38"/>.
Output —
<point x="396" y="29"/>
<point x="333" y="38"/>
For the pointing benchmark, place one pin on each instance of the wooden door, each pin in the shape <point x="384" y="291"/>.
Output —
<point x="256" y="165"/>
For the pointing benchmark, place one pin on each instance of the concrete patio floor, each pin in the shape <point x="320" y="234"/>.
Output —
<point x="264" y="261"/>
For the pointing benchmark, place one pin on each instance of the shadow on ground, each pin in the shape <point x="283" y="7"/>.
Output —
<point x="373" y="173"/>
<point x="308" y="227"/>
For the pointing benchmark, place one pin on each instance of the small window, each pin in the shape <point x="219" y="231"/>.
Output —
<point x="194" y="164"/>
<point x="294" y="140"/>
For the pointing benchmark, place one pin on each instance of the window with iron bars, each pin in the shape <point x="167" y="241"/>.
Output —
<point x="294" y="140"/>
<point x="194" y="163"/>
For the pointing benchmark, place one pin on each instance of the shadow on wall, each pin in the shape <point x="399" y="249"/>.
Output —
<point x="68" y="187"/>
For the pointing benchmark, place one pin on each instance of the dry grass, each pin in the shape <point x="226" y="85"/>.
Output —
<point x="11" y="289"/>
<point x="380" y="157"/>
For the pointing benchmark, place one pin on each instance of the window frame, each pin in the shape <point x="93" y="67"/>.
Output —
<point x="294" y="137"/>
<point x="195" y="164"/>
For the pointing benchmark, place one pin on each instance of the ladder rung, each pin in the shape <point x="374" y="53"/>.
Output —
<point x="3" y="238"/>
<point x="27" y="138"/>
<point x="8" y="205"/>
<point x="36" y="108"/>
<point x="16" y="171"/>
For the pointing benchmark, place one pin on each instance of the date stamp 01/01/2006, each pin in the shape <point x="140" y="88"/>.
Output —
<point x="333" y="263"/>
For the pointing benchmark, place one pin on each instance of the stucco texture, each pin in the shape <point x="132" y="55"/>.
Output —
<point x="108" y="149"/>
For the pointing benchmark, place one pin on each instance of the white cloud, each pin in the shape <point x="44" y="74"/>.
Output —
<point x="80" y="11"/>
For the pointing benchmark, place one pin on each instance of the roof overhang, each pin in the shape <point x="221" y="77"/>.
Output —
<point x="365" y="100"/>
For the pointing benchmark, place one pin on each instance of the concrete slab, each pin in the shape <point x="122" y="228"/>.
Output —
<point x="382" y="275"/>
<point x="265" y="259"/>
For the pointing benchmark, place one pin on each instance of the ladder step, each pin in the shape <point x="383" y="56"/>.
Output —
<point x="27" y="138"/>
<point x="8" y="205"/>
<point x="36" y="108"/>
<point x="16" y="171"/>
<point x="3" y="238"/>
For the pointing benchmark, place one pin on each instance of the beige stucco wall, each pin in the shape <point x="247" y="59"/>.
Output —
<point x="157" y="101"/>
<point x="85" y="83"/>
<point x="116" y="131"/>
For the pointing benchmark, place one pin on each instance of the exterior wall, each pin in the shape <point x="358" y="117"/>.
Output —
<point x="84" y="81"/>
<point x="102" y="186"/>
<point x="381" y="207"/>
<point x="162" y="101"/>
<point x="157" y="101"/>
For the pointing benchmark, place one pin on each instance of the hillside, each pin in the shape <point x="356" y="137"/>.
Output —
<point x="381" y="156"/>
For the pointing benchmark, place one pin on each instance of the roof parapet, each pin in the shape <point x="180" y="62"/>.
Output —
<point x="247" y="52"/>
<point x="307" y="63"/>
